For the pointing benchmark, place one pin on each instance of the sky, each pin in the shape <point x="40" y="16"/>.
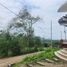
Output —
<point x="45" y="9"/>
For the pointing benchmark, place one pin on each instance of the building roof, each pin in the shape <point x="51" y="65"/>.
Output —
<point x="63" y="8"/>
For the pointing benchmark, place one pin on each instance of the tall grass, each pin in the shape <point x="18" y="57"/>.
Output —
<point x="47" y="54"/>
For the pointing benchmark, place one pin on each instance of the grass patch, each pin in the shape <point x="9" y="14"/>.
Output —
<point x="48" y="53"/>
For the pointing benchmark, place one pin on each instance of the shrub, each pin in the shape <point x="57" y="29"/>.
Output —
<point x="48" y="53"/>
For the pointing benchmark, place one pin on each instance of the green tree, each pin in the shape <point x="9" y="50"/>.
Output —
<point x="24" y="22"/>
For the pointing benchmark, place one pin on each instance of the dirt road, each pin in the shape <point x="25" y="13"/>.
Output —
<point x="4" y="62"/>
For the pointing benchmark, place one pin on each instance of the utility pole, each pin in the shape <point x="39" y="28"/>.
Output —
<point x="61" y="34"/>
<point x="65" y="32"/>
<point x="51" y="34"/>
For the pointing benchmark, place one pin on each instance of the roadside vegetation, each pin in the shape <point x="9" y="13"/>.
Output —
<point x="19" y="38"/>
<point x="46" y="54"/>
<point x="12" y="46"/>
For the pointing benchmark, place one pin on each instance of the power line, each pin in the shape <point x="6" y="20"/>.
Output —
<point x="8" y="9"/>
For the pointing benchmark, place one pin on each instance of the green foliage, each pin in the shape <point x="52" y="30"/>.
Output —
<point x="46" y="44"/>
<point x="48" y="53"/>
<point x="3" y="48"/>
<point x="24" y="41"/>
<point x="11" y="46"/>
<point x="56" y="43"/>
<point x="16" y="45"/>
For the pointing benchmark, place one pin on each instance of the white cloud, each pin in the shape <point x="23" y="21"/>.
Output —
<point x="47" y="10"/>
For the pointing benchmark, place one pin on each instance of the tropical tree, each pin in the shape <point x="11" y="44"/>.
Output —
<point x="23" y="24"/>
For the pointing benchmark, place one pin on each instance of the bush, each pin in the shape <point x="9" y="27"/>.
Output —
<point x="48" y="53"/>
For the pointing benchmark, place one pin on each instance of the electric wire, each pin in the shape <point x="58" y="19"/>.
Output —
<point x="8" y="9"/>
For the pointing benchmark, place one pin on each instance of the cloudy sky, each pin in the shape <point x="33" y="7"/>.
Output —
<point x="46" y="9"/>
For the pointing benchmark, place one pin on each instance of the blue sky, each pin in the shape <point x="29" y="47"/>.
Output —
<point x="46" y="9"/>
